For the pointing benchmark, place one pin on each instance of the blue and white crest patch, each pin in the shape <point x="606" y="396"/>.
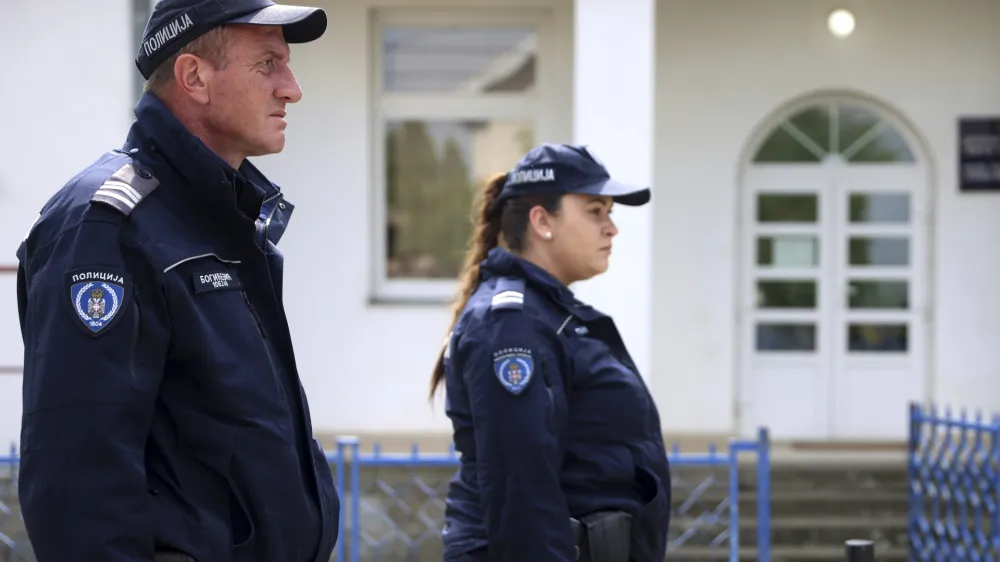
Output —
<point x="514" y="368"/>
<point x="98" y="297"/>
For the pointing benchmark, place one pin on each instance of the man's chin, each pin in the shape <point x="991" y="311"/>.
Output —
<point x="272" y="145"/>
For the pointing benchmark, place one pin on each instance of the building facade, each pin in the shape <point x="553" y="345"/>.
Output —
<point x="810" y="260"/>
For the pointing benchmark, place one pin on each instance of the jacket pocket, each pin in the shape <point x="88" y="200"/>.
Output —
<point x="651" y="522"/>
<point x="241" y="527"/>
<point x="214" y="489"/>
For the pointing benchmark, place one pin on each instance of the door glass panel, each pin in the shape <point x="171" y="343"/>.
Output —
<point x="773" y="336"/>
<point x="888" y="146"/>
<point x="782" y="147"/>
<point x="852" y="124"/>
<point x="802" y="208"/>
<point x="879" y="251"/>
<point x="788" y="251"/>
<point x="878" y="338"/>
<point x="878" y="294"/>
<point x="880" y="208"/>
<point x="815" y="124"/>
<point x="786" y="294"/>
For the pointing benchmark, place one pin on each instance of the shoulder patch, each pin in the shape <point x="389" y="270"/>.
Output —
<point x="514" y="367"/>
<point x="509" y="295"/>
<point x="126" y="188"/>
<point x="98" y="297"/>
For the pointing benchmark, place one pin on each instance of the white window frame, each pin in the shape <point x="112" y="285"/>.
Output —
<point x="536" y="107"/>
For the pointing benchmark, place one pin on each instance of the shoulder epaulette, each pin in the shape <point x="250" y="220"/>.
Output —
<point x="126" y="188"/>
<point x="509" y="294"/>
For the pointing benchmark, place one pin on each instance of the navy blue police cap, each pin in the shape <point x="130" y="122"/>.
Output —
<point x="175" y="23"/>
<point x="559" y="169"/>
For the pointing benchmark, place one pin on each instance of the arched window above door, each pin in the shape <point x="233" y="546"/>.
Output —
<point x="834" y="131"/>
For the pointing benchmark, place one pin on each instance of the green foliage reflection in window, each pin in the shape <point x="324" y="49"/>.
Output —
<point x="856" y="134"/>
<point x="434" y="170"/>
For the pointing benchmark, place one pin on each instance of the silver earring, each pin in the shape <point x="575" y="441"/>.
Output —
<point x="548" y="236"/>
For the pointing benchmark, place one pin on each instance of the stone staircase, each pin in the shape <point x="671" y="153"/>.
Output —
<point x="815" y="507"/>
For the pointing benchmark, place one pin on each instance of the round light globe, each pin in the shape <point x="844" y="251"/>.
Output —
<point x="841" y="23"/>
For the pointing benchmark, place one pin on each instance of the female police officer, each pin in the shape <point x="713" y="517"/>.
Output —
<point x="562" y="453"/>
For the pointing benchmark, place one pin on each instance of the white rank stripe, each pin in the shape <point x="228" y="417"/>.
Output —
<point x="114" y="195"/>
<point x="122" y="186"/>
<point x="508" y="297"/>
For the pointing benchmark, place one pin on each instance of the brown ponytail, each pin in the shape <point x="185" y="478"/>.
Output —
<point x="484" y="238"/>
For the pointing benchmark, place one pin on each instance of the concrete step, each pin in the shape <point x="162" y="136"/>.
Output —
<point x="796" y="531"/>
<point x="824" y="502"/>
<point x="783" y="554"/>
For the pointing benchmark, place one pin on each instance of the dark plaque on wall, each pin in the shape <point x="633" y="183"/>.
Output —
<point x="979" y="154"/>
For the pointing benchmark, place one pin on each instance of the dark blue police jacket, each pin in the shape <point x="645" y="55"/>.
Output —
<point x="552" y="421"/>
<point x="162" y="405"/>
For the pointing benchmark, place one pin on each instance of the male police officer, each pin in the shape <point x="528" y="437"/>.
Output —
<point x="163" y="414"/>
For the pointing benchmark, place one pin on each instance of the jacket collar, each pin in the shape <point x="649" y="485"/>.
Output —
<point x="210" y="180"/>
<point x="502" y="263"/>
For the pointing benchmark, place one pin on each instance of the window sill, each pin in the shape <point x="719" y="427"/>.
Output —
<point x="413" y="292"/>
<point x="384" y="301"/>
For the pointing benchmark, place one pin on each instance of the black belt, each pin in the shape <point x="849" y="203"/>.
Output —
<point x="603" y="536"/>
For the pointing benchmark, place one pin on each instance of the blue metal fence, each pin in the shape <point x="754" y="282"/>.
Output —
<point x="403" y="497"/>
<point x="954" y="476"/>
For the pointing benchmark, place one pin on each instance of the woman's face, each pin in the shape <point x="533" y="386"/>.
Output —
<point x="580" y="246"/>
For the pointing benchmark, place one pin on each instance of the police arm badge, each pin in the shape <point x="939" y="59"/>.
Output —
<point x="514" y="368"/>
<point x="98" y="297"/>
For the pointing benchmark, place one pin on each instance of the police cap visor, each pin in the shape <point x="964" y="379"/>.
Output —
<point x="301" y="24"/>
<point x="621" y="193"/>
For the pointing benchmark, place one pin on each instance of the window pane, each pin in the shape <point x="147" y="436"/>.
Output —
<point x="786" y="337"/>
<point x="880" y="208"/>
<point x="853" y="123"/>
<point x="888" y="146"/>
<point x="879" y="251"/>
<point x="786" y="294"/>
<point x="787" y="208"/>
<point x="783" y="147"/>
<point x="788" y="251"/>
<point x="458" y="59"/>
<point x="884" y="338"/>
<point x="815" y="124"/>
<point x="433" y="171"/>
<point x="878" y="294"/>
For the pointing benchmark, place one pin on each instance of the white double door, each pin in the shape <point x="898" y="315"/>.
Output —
<point x="834" y="316"/>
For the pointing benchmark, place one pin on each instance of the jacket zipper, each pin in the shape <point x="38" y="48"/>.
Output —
<point x="267" y="347"/>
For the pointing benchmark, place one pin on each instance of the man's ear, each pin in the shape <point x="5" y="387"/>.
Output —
<point x="192" y="75"/>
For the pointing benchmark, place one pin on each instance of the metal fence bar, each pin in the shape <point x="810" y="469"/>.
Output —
<point x="348" y="461"/>
<point x="734" y="504"/>
<point x="340" y="554"/>
<point x="953" y="468"/>
<point x="759" y="448"/>
<point x="763" y="495"/>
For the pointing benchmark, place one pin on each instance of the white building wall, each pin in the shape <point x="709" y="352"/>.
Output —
<point x="617" y="123"/>
<point x="722" y="68"/>
<point x="64" y="103"/>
